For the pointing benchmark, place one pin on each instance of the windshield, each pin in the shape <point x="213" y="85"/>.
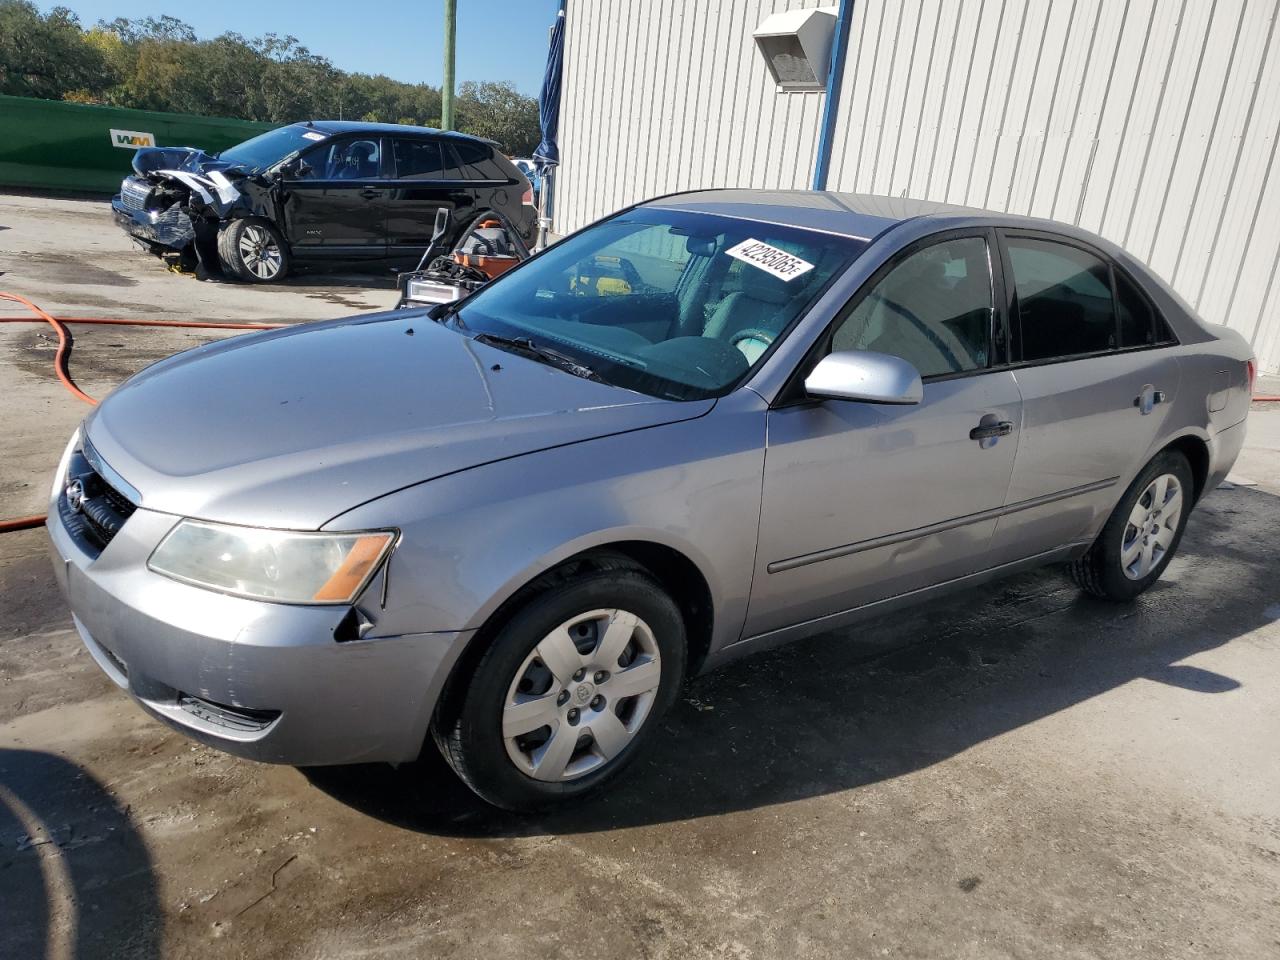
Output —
<point x="267" y="149"/>
<point x="672" y="304"/>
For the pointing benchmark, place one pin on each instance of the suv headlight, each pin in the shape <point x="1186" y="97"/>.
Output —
<point x="283" y="566"/>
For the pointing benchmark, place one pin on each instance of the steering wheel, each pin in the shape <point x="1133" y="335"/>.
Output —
<point x="751" y="333"/>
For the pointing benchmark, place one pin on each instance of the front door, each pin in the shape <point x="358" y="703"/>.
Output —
<point x="336" y="205"/>
<point x="1096" y="380"/>
<point x="864" y="501"/>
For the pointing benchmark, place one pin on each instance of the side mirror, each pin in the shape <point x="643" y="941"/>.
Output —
<point x="442" y="223"/>
<point x="866" y="376"/>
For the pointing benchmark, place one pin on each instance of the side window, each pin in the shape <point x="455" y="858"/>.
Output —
<point x="933" y="310"/>
<point x="478" y="161"/>
<point x="343" y="160"/>
<point x="1137" y="319"/>
<point x="1140" y="323"/>
<point x="418" y="159"/>
<point x="1064" y="301"/>
<point x="317" y="162"/>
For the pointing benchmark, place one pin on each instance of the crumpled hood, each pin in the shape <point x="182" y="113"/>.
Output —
<point x="187" y="159"/>
<point x="292" y="427"/>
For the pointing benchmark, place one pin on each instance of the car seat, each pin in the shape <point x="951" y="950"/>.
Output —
<point x="361" y="161"/>
<point x="756" y="306"/>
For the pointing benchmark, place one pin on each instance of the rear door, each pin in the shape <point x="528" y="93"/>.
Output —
<point x="1090" y="356"/>
<point x="426" y="177"/>
<point x="335" y="206"/>
<point x="497" y="184"/>
<point x="866" y="501"/>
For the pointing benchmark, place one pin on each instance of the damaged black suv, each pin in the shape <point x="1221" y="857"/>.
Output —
<point x="323" y="191"/>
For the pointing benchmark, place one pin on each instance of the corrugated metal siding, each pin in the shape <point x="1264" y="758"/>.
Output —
<point x="1152" y="122"/>
<point x="666" y="95"/>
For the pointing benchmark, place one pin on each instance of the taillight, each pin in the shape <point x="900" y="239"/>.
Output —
<point x="1251" y="373"/>
<point x="527" y="197"/>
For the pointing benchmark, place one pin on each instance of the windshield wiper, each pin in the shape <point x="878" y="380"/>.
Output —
<point x="441" y="313"/>
<point x="527" y="348"/>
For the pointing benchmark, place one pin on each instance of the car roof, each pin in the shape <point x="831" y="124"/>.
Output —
<point x="359" y="126"/>
<point x="860" y="215"/>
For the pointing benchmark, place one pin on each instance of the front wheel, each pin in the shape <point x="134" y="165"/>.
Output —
<point x="1142" y="533"/>
<point x="572" y="685"/>
<point x="252" y="251"/>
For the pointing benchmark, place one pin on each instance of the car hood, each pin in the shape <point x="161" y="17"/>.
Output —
<point x="292" y="427"/>
<point x="149" y="160"/>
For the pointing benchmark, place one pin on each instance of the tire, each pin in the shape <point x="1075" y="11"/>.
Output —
<point x="1128" y="555"/>
<point x="253" y="251"/>
<point x="500" y="752"/>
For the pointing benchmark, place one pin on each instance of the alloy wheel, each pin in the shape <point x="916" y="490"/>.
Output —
<point x="260" y="252"/>
<point x="581" y="695"/>
<point x="1153" y="524"/>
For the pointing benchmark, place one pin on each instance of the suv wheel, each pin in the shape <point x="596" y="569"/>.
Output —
<point x="572" y="685"/>
<point x="1142" y="533"/>
<point x="252" y="251"/>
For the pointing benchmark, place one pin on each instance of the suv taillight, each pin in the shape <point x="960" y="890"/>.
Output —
<point x="1251" y="373"/>
<point x="527" y="196"/>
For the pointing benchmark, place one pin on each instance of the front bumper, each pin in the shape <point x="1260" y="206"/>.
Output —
<point x="171" y="228"/>
<point x="264" y="681"/>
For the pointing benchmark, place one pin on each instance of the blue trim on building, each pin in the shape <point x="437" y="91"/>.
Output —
<point x="831" y="104"/>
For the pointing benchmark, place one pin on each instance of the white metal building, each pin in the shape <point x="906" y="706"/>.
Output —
<point x="1151" y="122"/>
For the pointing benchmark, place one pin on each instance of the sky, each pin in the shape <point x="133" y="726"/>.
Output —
<point x="496" y="40"/>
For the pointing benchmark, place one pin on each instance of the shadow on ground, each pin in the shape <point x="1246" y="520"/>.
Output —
<point x="851" y="708"/>
<point x="76" y="879"/>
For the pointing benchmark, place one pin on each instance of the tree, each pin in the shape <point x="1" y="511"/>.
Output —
<point x="497" y="111"/>
<point x="47" y="56"/>
<point x="158" y="63"/>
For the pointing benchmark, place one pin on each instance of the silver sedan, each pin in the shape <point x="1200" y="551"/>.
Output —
<point x="704" y="426"/>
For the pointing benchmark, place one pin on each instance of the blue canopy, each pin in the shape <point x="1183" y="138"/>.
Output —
<point x="548" y="152"/>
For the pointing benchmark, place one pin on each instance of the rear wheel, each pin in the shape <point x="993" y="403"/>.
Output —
<point x="572" y="685"/>
<point x="252" y="251"/>
<point x="1142" y="534"/>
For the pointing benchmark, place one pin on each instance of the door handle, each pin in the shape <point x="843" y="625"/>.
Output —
<point x="1147" y="399"/>
<point x="369" y="193"/>
<point x="986" y="431"/>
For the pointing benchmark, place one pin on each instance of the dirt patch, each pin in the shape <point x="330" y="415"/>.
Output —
<point x="101" y="354"/>
<point x="71" y="268"/>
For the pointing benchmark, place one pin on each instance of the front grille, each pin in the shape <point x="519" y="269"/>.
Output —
<point x="89" y="506"/>
<point x="134" y="194"/>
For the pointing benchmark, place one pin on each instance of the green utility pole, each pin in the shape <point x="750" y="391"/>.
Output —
<point x="450" y="34"/>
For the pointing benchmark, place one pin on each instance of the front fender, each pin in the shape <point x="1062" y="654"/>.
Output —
<point x="472" y="539"/>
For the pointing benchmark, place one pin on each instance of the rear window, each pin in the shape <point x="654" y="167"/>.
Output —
<point x="479" y="161"/>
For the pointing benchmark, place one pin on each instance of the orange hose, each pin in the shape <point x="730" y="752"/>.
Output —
<point x="65" y="341"/>
<point x="20" y="523"/>
<point x="64" y="346"/>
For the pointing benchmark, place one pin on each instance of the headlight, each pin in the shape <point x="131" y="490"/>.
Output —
<point x="279" y="565"/>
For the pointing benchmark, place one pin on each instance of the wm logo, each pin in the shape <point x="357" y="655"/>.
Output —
<point x="132" y="139"/>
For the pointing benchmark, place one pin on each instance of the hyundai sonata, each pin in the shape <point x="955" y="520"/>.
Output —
<point x="703" y="426"/>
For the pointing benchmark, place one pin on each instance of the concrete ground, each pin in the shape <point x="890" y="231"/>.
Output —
<point x="69" y="258"/>
<point x="1016" y="772"/>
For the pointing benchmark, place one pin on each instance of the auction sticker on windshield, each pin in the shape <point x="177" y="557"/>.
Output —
<point x="783" y="265"/>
